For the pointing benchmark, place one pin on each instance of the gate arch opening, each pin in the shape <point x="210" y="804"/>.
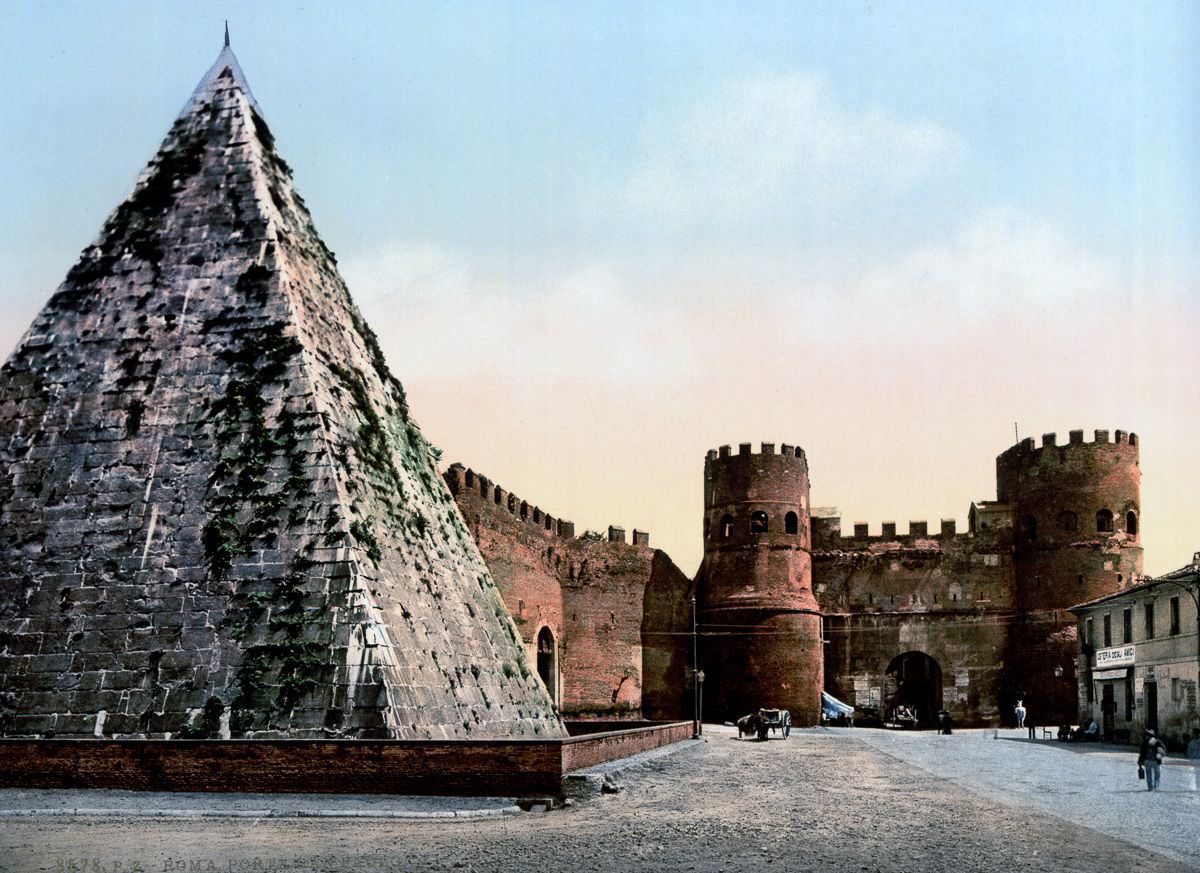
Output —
<point x="914" y="680"/>
<point x="545" y="662"/>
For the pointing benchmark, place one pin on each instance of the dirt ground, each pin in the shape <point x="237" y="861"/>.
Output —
<point x="818" y="801"/>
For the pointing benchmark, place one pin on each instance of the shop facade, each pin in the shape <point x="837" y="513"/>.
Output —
<point x="1139" y="659"/>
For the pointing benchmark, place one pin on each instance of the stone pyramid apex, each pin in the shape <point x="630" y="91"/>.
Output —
<point x="225" y="72"/>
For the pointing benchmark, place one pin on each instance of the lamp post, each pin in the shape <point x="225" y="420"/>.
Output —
<point x="695" y="676"/>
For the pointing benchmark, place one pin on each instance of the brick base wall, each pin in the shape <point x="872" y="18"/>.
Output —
<point x="592" y="749"/>
<point x="455" y="767"/>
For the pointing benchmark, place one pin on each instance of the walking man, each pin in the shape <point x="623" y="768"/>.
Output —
<point x="1020" y="711"/>
<point x="1150" y="757"/>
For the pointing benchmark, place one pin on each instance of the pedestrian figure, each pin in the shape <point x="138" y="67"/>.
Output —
<point x="1150" y="757"/>
<point x="1020" y="711"/>
<point x="944" y="722"/>
<point x="1032" y="727"/>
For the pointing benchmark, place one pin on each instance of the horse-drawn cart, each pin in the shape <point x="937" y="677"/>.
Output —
<point x="760" y="724"/>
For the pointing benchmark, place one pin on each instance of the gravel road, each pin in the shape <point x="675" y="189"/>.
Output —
<point x="822" y="800"/>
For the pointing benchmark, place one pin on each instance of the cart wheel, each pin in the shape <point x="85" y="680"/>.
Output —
<point x="787" y="729"/>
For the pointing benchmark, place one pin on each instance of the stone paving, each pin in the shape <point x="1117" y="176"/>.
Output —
<point x="15" y="802"/>
<point x="840" y="800"/>
<point x="1093" y="786"/>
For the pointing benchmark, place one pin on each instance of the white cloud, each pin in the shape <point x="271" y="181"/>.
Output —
<point x="769" y="138"/>
<point x="441" y="316"/>
<point x="1001" y="262"/>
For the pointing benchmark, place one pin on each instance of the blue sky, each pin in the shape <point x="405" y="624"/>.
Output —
<point x="597" y="239"/>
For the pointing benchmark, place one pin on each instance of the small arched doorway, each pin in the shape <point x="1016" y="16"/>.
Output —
<point x="914" y="680"/>
<point x="545" y="662"/>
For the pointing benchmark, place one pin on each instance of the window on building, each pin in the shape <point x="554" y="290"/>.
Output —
<point x="791" y="523"/>
<point x="1174" y="616"/>
<point x="1148" y="616"/>
<point x="1029" y="528"/>
<point x="726" y="526"/>
<point x="1127" y="625"/>
<point x="1104" y="521"/>
<point x="1068" y="520"/>
<point x="1131" y="523"/>
<point x="1079" y="578"/>
<point x="1107" y="630"/>
<point x="758" y="522"/>
<point x="1089" y="634"/>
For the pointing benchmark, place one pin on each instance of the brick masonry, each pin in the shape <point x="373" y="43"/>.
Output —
<point x="794" y="606"/>
<point x="458" y="767"/>
<point x="616" y="613"/>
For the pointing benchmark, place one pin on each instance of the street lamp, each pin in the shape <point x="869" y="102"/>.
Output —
<point x="697" y="676"/>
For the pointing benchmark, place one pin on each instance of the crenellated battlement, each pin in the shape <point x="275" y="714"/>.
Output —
<point x="1029" y="446"/>
<point x="786" y="450"/>
<point x="947" y="529"/>
<point x="465" y="481"/>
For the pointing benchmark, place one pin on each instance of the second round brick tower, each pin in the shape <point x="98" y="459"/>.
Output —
<point x="760" y="624"/>
<point x="1077" y="536"/>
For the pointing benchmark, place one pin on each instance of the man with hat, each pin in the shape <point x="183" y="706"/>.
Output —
<point x="1150" y="756"/>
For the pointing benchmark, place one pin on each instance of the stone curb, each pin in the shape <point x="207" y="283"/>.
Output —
<point x="591" y="782"/>
<point x="102" y="812"/>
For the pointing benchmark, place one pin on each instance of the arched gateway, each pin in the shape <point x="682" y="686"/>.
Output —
<point x="914" y="680"/>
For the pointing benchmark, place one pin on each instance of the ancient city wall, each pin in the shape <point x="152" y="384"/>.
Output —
<point x="863" y="652"/>
<point x="913" y="573"/>
<point x="946" y="595"/>
<point x="614" y="608"/>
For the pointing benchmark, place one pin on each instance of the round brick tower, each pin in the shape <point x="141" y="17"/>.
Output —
<point x="1076" y="517"/>
<point x="1076" y="536"/>
<point x="760" y="624"/>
